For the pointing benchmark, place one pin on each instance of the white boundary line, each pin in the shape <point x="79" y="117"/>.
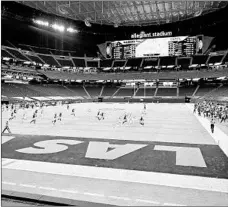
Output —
<point x="120" y="198"/>
<point x="134" y="176"/>
<point x="147" y="201"/>
<point x="8" y="183"/>
<point x="96" y="195"/>
<point x="28" y="186"/>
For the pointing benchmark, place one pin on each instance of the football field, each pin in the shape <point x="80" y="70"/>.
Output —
<point x="173" y="159"/>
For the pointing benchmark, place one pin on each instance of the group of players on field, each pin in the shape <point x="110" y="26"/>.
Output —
<point x="39" y="110"/>
<point x="212" y="111"/>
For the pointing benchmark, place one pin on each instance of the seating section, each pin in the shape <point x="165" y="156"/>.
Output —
<point x="24" y="90"/>
<point x="65" y="62"/>
<point x="134" y="62"/>
<point x="61" y="53"/>
<point x="215" y="59"/>
<point x="223" y="91"/>
<point x="220" y="92"/>
<point x="92" y="64"/>
<point x="6" y="54"/>
<point x="184" y="62"/>
<point x="225" y="60"/>
<point x="17" y="54"/>
<point x="119" y="63"/>
<point x="150" y="62"/>
<point x="106" y="63"/>
<point x="166" y="92"/>
<point x="125" y="92"/>
<point x="187" y="91"/>
<point x="199" y="59"/>
<point x="20" y="90"/>
<point x="93" y="91"/>
<point x="24" y="47"/>
<point x="41" y="50"/>
<point x="203" y="90"/>
<point x="165" y="61"/>
<point x="23" y="69"/>
<point x="79" y="62"/>
<point x="35" y="59"/>
<point x="146" y="92"/>
<point x="11" y="90"/>
<point x="49" y="60"/>
<point x="78" y="90"/>
<point x="131" y="76"/>
<point x="108" y="91"/>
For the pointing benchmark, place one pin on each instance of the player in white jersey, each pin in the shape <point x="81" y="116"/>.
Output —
<point x="24" y="117"/>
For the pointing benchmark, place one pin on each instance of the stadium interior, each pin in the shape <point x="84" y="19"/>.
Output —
<point x="114" y="51"/>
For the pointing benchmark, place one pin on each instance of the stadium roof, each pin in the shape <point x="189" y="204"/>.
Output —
<point x="127" y="13"/>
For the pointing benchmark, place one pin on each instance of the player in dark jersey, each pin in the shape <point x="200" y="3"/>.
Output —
<point x="6" y="128"/>
<point x="212" y="125"/>
<point x="13" y="115"/>
<point x="55" y="118"/>
<point x="33" y="118"/>
<point x="141" y="121"/>
<point x="60" y="116"/>
<point x="99" y="115"/>
<point x="73" y="112"/>
<point x="124" y="119"/>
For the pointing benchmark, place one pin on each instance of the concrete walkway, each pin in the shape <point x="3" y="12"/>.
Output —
<point x="163" y="179"/>
<point x="72" y="188"/>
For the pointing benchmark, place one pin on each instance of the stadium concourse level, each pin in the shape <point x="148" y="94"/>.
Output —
<point x="23" y="69"/>
<point x="66" y="59"/>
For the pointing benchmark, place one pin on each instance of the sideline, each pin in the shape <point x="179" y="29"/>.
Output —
<point x="219" y="136"/>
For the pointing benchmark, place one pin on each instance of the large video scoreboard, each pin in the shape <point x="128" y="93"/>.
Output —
<point x="154" y="47"/>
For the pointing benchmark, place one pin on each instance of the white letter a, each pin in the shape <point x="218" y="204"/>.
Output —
<point x="100" y="150"/>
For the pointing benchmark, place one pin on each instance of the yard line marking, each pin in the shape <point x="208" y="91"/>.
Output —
<point x="173" y="204"/>
<point x="94" y="194"/>
<point x="68" y="191"/>
<point x="121" y="198"/>
<point x="147" y="201"/>
<point x="29" y="186"/>
<point x="8" y="183"/>
<point x="46" y="188"/>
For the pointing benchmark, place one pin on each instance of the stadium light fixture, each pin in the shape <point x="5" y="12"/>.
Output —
<point x="221" y="78"/>
<point x="116" y="25"/>
<point x="6" y="58"/>
<point x="196" y="79"/>
<point x="58" y="27"/>
<point x="40" y="22"/>
<point x="71" y="30"/>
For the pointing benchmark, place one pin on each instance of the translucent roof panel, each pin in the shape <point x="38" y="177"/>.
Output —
<point x="128" y="13"/>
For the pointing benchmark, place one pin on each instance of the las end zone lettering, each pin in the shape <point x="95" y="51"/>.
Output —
<point x="185" y="156"/>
